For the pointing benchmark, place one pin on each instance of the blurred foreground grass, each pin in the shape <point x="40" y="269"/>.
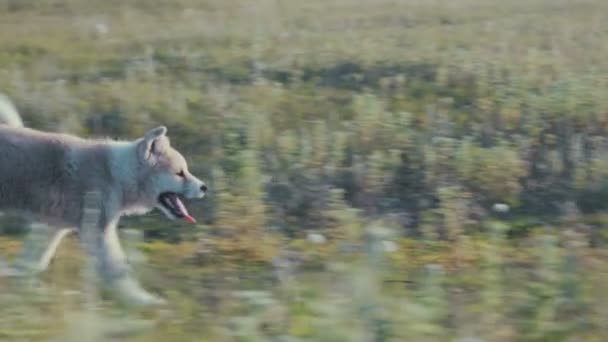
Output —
<point x="548" y="287"/>
<point x="355" y="149"/>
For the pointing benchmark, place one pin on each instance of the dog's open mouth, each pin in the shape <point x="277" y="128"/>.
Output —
<point x="175" y="206"/>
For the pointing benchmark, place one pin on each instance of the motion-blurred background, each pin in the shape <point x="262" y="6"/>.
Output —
<point x="380" y="170"/>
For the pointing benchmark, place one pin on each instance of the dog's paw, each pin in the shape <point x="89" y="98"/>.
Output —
<point x="7" y="270"/>
<point x="129" y="291"/>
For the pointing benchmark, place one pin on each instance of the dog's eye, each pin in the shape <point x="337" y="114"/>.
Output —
<point x="181" y="174"/>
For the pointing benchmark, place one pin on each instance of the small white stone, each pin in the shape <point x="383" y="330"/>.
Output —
<point x="316" y="238"/>
<point x="101" y="29"/>
<point x="72" y="293"/>
<point x="470" y="339"/>
<point x="389" y="246"/>
<point x="501" y="208"/>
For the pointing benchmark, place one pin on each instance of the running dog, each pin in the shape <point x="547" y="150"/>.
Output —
<point x="49" y="175"/>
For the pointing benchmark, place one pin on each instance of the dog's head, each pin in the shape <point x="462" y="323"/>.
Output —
<point x="165" y="180"/>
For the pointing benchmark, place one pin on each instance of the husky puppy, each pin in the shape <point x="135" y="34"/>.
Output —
<point x="48" y="175"/>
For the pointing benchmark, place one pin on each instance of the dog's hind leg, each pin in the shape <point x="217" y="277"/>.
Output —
<point x="36" y="254"/>
<point x="51" y="249"/>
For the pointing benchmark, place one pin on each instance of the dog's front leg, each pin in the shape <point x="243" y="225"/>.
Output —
<point x="112" y="261"/>
<point x="115" y="270"/>
<point x="99" y="235"/>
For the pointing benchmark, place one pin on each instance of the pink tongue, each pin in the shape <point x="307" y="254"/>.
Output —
<point x="182" y="208"/>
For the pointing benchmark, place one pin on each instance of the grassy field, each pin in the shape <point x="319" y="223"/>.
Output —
<point x="355" y="150"/>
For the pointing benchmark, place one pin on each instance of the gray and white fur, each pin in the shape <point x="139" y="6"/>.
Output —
<point x="47" y="175"/>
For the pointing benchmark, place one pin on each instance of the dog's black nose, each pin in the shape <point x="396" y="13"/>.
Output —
<point x="204" y="188"/>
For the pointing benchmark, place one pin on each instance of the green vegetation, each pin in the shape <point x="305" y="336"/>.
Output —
<point x="355" y="150"/>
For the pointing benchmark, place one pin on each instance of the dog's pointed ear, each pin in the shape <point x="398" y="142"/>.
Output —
<point x="156" y="133"/>
<point x="147" y="145"/>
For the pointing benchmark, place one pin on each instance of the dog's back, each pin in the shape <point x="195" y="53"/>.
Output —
<point x="8" y="113"/>
<point x="33" y="174"/>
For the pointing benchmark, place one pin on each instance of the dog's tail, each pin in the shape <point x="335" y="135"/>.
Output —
<point x="8" y="113"/>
